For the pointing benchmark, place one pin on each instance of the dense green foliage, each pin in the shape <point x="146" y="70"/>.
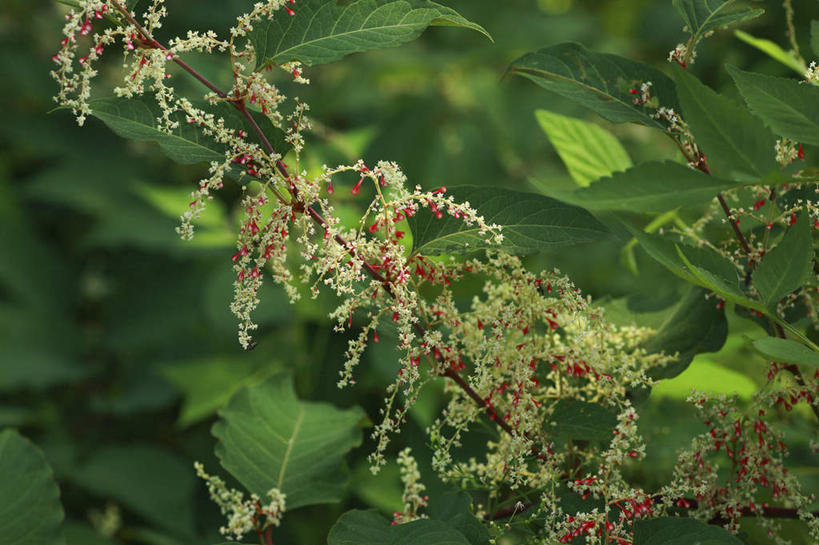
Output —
<point x="119" y="366"/>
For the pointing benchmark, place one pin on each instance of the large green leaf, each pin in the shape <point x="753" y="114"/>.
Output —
<point x="583" y="421"/>
<point x="787" y="351"/>
<point x="208" y="384"/>
<point x="370" y="528"/>
<point x="324" y="31"/>
<point x="814" y="37"/>
<point x="599" y="81"/>
<point x="454" y="509"/>
<point x="647" y="187"/>
<point x="696" y="325"/>
<point x="588" y="150"/>
<point x="702" y="16"/>
<point x="699" y="266"/>
<point x="680" y="531"/>
<point x="153" y="482"/>
<point x="136" y="119"/>
<point x="789" y="108"/>
<point x="30" y="510"/>
<point x="737" y="144"/>
<point x="786" y="267"/>
<point x="268" y="438"/>
<point x="530" y="223"/>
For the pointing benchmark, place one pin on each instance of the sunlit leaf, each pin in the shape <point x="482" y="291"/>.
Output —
<point x="705" y="375"/>
<point x="773" y="50"/>
<point x="589" y="151"/>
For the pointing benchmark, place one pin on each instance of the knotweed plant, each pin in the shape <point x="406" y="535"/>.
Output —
<point x="528" y="355"/>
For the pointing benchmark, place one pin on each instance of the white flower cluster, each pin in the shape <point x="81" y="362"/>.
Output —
<point x="243" y="515"/>
<point x="787" y="151"/>
<point x="413" y="497"/>
<point x="812" y="73"/>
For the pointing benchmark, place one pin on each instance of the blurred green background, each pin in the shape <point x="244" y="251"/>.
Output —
<point x="116" y="342"/>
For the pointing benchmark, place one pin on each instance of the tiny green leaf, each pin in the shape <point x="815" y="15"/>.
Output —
<point x="370" y="528"/>
<point x="680" y="531"/>
<point x="529" y="222"/>
<point x="787" y="351"/>
<point x="30" y="510"/>
<point x="582" y="421"/>
<point x="588" y="150"/>
<point x="789" y="108"/>
<point x="647" y="187"/>
<point x="737" y="144"/>
<point x="321" y="32"/>
<point x="268" y="438"/>
<point x="599" y="81"/>
<point x="702" y="16"/>
<point x="786" y="267"/>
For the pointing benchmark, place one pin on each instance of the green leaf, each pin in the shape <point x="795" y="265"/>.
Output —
<point x="696" y="325"/>
<point x="737" y="144"/>
<point x="153" y="482"/>
<point x="208" y="384"/>
<point x="786" y="267"/>
<point x="789" y="108"/>
<point x="787" y="351"/>
<point x="706" y="375"/>
<point x="30" y="510"/>
<point x="773" y="50"/>
<point x="599" y="81"/>
<point x="370" y="528"/>
<point x="530" y="223"/>
<point x="136" y="119"/>
<point x="582" y="421"/>
<point x="647" y="187"/>
<point x="268" y="438"/>
<point x="699" y="266"/>
<point x="588" y="150"/>
<point x="814" y="37"/>
<point x="702" y="16"/>
<point x="324" y="31"/>
<point x="680" y="531"/>
<point x="454" y="509"/>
